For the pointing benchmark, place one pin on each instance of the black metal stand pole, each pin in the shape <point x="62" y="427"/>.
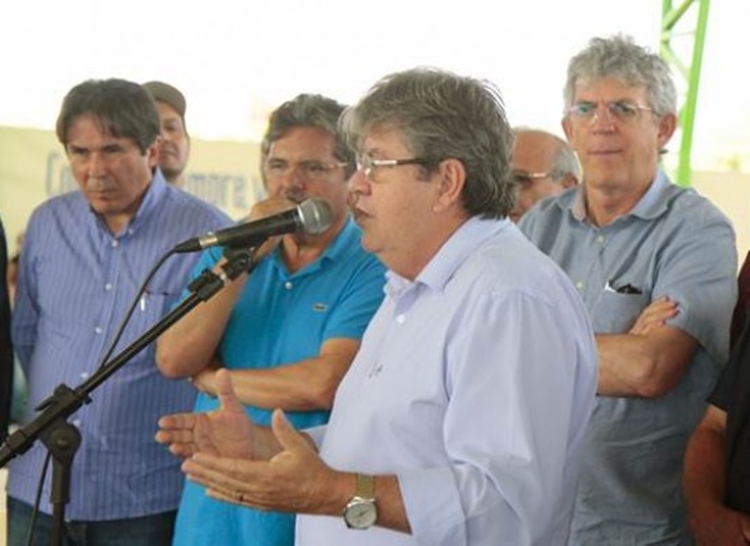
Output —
<point x="62" y="438"/>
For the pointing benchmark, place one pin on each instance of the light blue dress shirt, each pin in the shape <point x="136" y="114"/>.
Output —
<point x="474" y="385"/>
<point x="76" y="281"/>
<point x="673" y="243"/>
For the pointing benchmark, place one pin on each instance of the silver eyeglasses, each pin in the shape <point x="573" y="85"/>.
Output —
<point x="311" y="169"/>
<point x="368" y="164"/>
<point x="525" y="179"/>
<point x="621" y="110"/>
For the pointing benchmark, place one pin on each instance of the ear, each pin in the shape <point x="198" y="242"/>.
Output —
<point x="569" y="181"/>
<point x="567" y="128"/>
<point x="152" y="152"/>
<point x="452" y="175"/>
<point x="667" y="127"/>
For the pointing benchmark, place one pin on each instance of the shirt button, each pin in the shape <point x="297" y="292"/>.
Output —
<point x="400" y="319"/>
<point x="85" y="375"/>
<point x="98" y="330"/>
<point x="108" y="287"/>
<point x="579" y="285"/>
<point x="288" y="285"/>
<point x="114" y="244"/>
<point x="600" y="239"/>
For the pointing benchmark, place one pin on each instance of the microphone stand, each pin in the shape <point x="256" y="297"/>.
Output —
<point x="61" y="438"/>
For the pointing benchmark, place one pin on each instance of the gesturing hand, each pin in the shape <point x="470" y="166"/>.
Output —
<point x="226" y="431"/>
<point x="293" y="480"/>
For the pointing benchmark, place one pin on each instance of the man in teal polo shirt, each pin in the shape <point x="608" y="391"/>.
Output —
<point x="289" y="330"/>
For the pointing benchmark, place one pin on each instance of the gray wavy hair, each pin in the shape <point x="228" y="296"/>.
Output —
<point x="441" y="115"/>
<point x="619" y="57"/>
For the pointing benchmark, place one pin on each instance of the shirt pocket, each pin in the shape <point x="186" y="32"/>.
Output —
<point x="615" y="312"/>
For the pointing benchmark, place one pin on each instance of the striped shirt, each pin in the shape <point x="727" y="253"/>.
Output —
<point x="75" y="284"/>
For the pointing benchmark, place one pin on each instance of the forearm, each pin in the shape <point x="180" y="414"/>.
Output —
<point x="645" y="366"/>
<point x="190" y="344"/>
<point x="391" y="510"/>
<point x="336" y="493"/>
<point x="704" y="481"/>
<point x="712" y="522"/>
<point x="305" y="386"/>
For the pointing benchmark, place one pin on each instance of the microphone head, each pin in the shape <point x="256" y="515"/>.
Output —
<point x="316" y="215"/>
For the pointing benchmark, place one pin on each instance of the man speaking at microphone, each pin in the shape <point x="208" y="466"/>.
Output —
<point x="288" y="330"/>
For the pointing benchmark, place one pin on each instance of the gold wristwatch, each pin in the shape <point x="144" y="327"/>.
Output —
<point x="361" y="511"/>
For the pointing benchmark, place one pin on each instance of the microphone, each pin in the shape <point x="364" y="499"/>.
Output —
<point x="312" y="215"/>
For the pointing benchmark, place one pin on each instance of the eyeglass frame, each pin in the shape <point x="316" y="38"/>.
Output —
<point x="629" y="110"/>
<point x="369" y="164"/>
<point x="522" y="178"/>
<point x="304" y="166"/>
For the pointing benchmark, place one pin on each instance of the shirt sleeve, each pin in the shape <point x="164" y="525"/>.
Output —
<point x="698" y="270"/>
<point x="530" y="365"/>
<point x="26" y="309"/>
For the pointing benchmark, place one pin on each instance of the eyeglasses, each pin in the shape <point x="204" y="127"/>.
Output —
<point x="525" y="179"/>
<point x="621" y="110"/>
<point x="368" y="164"/>
<point x="311" y="169"/>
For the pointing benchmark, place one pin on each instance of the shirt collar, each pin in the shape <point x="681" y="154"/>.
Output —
<point x="155" y="193"/>
<point x="653" y="203"/>
<point x="452" y="254"/>
<point x="346" y="239"/>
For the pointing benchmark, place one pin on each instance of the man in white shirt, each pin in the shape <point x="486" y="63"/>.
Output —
<point x="461" y="420"/>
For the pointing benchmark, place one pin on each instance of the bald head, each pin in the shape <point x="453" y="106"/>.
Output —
<point x="544" y="165"/>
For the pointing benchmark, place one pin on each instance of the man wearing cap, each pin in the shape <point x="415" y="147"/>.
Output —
<point x="174" y="148"/>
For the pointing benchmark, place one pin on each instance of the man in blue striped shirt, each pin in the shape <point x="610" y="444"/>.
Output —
<point x="85" y="255"/>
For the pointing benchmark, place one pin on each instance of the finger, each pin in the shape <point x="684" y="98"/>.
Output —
<point x="286" y="434"/>
<point x="183" y="451"/>
<point x="225" y="391"/>
<point x="234" y="497"/>
<point x="219" y="473"/>
<point x="177" y="421"/>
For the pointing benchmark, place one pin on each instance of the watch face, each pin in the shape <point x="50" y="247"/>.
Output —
<point x="360" y="514"/>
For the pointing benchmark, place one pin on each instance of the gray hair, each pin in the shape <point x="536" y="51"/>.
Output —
<point x="565" y="162"/>
<point x="619" y="57"/>
<point x="441" y="115"/>
<point x="308" y="110"/>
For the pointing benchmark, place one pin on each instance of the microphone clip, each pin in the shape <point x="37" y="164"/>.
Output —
<point x="239" y="260"/>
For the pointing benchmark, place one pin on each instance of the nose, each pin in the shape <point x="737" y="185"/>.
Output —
<point x="294" y="177"/>
<point x="359" y="182"/>
<point x="95" y="167"/>
<point x="602" y="118"/>
<point x="358" y="185"/>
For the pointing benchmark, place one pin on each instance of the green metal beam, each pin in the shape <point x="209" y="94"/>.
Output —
<point x="671" y="18"/>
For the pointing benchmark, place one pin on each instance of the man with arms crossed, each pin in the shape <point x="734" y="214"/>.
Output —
<point x="633" y="241"/>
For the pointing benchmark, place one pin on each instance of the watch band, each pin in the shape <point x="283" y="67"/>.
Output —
<point x="365" y="488"/>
